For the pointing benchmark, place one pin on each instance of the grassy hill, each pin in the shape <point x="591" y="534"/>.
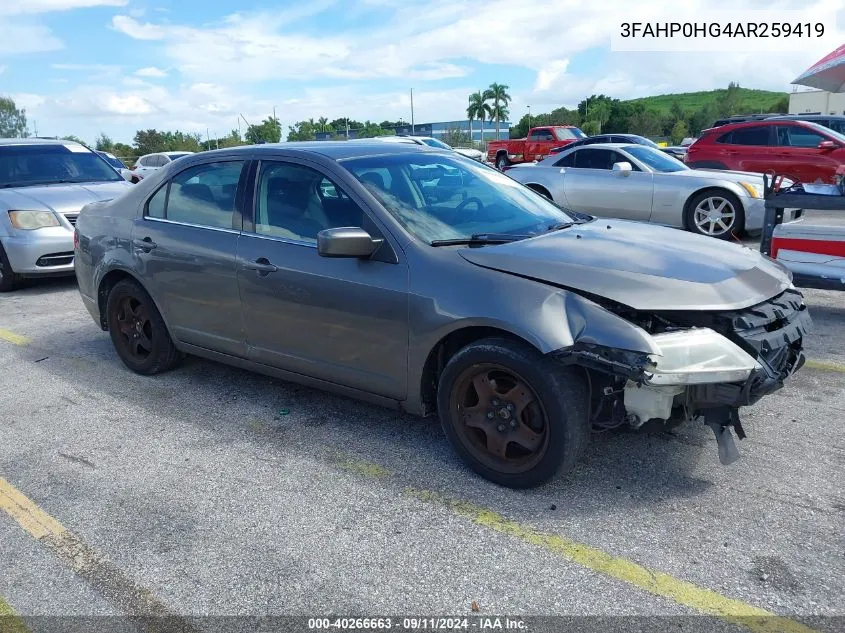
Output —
<point x="751" y="100"/>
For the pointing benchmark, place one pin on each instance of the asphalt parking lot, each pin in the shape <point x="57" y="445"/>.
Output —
<point x="213" y="491"/>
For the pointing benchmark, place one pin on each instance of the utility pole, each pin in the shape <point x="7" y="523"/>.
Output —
<point x="529" y="117"/>
<point x="412" y="111"/>
<point x="347" y="128"/>
<point x="207" y="138"/>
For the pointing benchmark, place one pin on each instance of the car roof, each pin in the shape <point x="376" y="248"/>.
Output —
<point x="335" y="150"/>
<point x="37" y="141"/>
<point x="804" y="117"/>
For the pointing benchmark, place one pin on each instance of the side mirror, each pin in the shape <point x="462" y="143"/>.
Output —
<point x="827" y="145"/>
<point x="349" y="241"/>
<point x="624" y="167"/>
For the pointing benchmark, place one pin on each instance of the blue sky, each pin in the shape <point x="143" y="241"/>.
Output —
<point x="88" y="66"/>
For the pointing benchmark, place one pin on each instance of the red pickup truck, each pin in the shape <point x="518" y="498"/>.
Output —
<point x="536" y="147"/>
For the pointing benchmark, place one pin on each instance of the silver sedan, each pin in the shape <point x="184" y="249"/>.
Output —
<point x="637" y="182"/>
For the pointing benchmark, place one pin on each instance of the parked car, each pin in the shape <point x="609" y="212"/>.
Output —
<point x="607" y="138"/>
<point x="536" y="146"/>
<point x="432" y="142"/>
<point x="637" y="182"/>
<point x="804" y="151"/>
<point x="117" y="164"/>
<point x="675" y="151"/>
<point x="147" y="164"/>
<point x="835" y="123"/>
<point x="324" y="263"/>
<point x="43" y="185"/>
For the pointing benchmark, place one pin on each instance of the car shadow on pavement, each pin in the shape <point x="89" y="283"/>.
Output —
<point x="46" y="286"/>
<point x="274" y="420"/>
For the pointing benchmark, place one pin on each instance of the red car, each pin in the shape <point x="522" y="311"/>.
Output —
<point x="804" y="151"/>
<point x="536" y="146"/>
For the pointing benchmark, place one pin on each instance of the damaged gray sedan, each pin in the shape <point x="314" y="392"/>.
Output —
<point x="421" y="280"/>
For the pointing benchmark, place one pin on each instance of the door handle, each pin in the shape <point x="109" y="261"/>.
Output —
<point x="262" y="265"/>
<point x="145" y="244"/>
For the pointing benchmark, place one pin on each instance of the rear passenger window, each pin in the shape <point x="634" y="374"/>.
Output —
<point x="155" y="206"/>
<point x="204" y="195"/>
<point x="750" y="136"/>
<point x="566" y="161"/>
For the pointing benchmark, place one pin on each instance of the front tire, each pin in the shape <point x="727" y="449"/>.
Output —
<point x="138" y="331"/>
<point x="9" y="279"/>
<point x="715" y="213"/>
<point x="514" y="416"/>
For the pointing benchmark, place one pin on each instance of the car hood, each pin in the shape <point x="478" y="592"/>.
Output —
<point x="750" y="177"/>
<point x="472" y="153"/>
<point x="64" y="198"/>
<point x="642" y="266"/>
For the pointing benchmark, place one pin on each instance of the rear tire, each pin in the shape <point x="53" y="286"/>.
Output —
<point x="9" y="279"/>
<point x="502" y="161"/>
<point x="513" y="415"/>
<point x="138" y="331"/>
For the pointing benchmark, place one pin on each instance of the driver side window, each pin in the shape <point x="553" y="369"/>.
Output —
<point x="297" y="202"/>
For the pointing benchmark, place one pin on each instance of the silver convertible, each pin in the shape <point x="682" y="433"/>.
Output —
<point x="637" y="182"/>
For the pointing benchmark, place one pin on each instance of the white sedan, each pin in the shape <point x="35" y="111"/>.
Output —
<point x="149" y="163"/>
<point x="637" y="182"/>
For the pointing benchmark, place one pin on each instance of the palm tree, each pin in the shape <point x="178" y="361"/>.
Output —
<point x="500" y="97"/>
<point x="322" y="124"/>
<point x="478" y="109"/>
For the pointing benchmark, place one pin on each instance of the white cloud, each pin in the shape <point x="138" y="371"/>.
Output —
<point x="21" y="38"/>
<point x="10" y="7"/>
<point x="441" y="40"/>
<point x="229" y="66"/>
<point x="150" y="71"/>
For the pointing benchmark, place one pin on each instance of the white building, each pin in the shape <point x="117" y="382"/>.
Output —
<point x="817" y="102"/>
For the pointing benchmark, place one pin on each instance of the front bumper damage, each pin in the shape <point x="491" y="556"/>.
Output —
<point x="771" y="332"/>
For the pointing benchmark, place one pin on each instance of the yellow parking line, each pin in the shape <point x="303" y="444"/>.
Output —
<point x="825" y="365"/>
<point x="681" y="592"/>
<point x="11" y="337"/>
<point x="658" y="583"/>
<point x="86" y="562"/>
<point x="10" y="621"/>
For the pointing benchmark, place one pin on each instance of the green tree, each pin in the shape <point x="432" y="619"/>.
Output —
<point x="302" y="131"/>
<point x="599" y="112"/>
<point x="730" y="103"/>
<point x="104" y="143"/>
<point x="457" y="138"/>
<point x="268" y="131"/>
<point x="591" y="128"/>
<point x="12" y="120"/>
<point x="679" y="132"/>
<point x="370" y="130"/>
<point x="781" y="105"/>
<point x="232" y="139"/>
<point x="676" y="112"/>
<point x="498" y="94"/>
<point x="150" y="141"/>
<point x="478" y="108"/>
<point x="643" y="122"/>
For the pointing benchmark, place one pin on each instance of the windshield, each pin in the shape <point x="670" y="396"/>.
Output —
<point x="112" y="160"/>
<point x="438" y="197"/>
<point x="656" y="159"/>
<point x="433" y="142"/>
<point x="642" y="140"/>
<point x="821" y="129"/>
<point x="568" y="133"/>
<point x="46" y="164"/>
